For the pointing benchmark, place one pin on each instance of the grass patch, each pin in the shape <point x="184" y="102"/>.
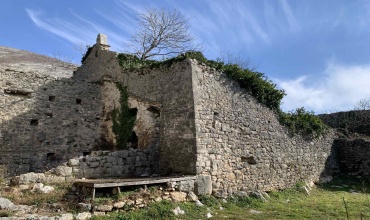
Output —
<point x="5" y="213"/>
<point x="41" y="200"/>
<point x="324" y="202"/>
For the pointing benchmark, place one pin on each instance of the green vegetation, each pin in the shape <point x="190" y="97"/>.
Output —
<point x="88" y="51"/>
<point x="3" y="173"/>
<point x="41" y="200"/>
<point x="302" y="122"/>
<point x="256" y="84"/>
<point x="324" y="202"/>
<point x="123" y="119"/>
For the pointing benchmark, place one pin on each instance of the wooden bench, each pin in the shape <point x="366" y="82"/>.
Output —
<point x="117" y="183"/>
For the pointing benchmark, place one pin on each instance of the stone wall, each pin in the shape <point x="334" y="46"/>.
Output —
<point x="190" y="120"/>
<point x="45" y="120"/>
<point x="167" y="90"/>
<point x="349" y="122"/>
<point x="121" y="163"/>
<point x="171" y="88"/>
<point x="353" y="156"/>
<point x="242" y="146"/>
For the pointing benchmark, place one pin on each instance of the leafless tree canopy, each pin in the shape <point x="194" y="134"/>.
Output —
<point x="161" y="33"/>
<point x="362" y="104"/>
<point x="232" y="58"/>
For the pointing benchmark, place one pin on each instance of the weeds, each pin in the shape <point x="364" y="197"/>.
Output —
<point x="3" y="173"/>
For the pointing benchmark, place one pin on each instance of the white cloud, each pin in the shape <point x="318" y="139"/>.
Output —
<point x="48" y="26"/>
<point x="77" y="30"/>
<point x="338" y="88"/>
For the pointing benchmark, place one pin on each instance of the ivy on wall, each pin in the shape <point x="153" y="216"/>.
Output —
<point x="87" y="53"/>
<point x="257" y="84"/>
<point x="123" y="119"/>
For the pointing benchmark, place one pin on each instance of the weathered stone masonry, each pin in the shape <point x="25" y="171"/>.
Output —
<point x="58" y="120"/>
<point x="190" y="120"/>
<point x="46" y="120"/>
<point x="241" y="144"/>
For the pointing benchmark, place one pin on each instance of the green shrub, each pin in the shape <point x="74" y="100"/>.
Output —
<point x="302" y="122"/>
<point x="209" y="200"/>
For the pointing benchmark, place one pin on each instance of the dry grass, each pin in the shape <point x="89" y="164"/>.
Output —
<point x="50" y="202"/>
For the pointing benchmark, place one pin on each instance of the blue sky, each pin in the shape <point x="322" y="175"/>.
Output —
<point x="318" y="51"/>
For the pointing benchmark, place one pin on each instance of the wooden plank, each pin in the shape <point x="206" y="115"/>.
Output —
<point x="86" y="184"/>
<point x="141" y="182"/>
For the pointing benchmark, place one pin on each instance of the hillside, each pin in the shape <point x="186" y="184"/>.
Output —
<point x="23" y="61"/>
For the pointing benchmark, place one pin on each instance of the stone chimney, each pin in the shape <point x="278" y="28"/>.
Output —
<point x="102" y="41"/>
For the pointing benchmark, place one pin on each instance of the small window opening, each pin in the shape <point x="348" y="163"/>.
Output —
<point x="87" y="153"/>
<point x="133" y="141"/>
<point x="215" y="115"/>
<point x="249" y="159"/>
<point x="49" y="114"/>
<point x="51" y="98"/>
<point x="34" y="122"/>
<point x="132" y="111"/>
<point x="51" y="156"/>
<point x="154" y="110"/>
<point x="78" y="101"/>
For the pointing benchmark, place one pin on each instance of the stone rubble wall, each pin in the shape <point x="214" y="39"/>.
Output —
<point x="57" y="118"/>
<point x="167" y="88"/>
<point x="193" y="120"/>
<point x="171" y="87"/>
<point x="353" y="156"/>
<point x="240" y="144"/>
<point x="121" y="163"/>
<point x="349" y="122"/>
<point x="47" y="120"/>
<point x="99" y="164"/>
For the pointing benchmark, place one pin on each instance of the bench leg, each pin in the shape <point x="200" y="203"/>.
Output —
<point x="93" y="194"/>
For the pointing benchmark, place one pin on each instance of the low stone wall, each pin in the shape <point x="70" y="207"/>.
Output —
<point x="121" y="163"/>
<point x="353" y="156"/>
<point x="97" y="165"/>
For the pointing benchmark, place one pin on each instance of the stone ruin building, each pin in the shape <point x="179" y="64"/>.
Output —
<point x="190" y="120"/>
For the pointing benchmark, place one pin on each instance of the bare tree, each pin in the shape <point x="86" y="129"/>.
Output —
<point x="81" y="48"/>
<point x="232" y="58"/>
<point x="161" y="33"/>
<point x="362" y="104"/>
<point x="61" y="61"/>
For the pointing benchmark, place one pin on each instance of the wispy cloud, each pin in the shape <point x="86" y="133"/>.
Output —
<point x="49" y="26"/>
<point x="293" y="25"/>
<point x="339" y="87"/>
<point x="76" y="30"/>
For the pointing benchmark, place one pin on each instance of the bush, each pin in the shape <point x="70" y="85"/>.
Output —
<point x="302" y="122"/>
